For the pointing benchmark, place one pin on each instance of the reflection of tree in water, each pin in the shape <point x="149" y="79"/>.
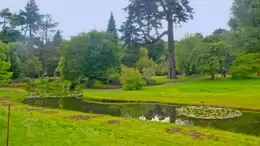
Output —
<point x="134" y="110"/>
<point x="149" y="111"/>
<point x="156" y="110"/>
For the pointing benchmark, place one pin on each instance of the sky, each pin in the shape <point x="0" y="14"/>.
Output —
<point x="76" y="16"/>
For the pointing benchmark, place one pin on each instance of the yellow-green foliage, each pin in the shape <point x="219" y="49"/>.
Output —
<point x="131" y="78"/>
<point x="245" y="65"/>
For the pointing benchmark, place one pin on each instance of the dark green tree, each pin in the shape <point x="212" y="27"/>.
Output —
<point x="33" y="67"/>
<point x="5" y="14"/>
<point x="57" y="38"/>
<point x="146" y="17"/>
<point x="111" y="27"/>
<point x="5" y="65"/>
<point x="89" y="55"/>
<point x="31" y="18"/>
<point x="219" y="31"/>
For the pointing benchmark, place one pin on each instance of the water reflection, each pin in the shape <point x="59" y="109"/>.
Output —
<point x="249" y="123"/>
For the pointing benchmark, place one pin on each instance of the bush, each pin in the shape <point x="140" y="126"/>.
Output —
<point x="80" y="87"/>
<point x="245" y="66"/>
<point x="67" y="85"/>
<point x="114" y="79"/>
<point x="25" y="80"/>
<point x="24" y="86"/>
<point x="131" y="78"/>
<point x="148" y="73"/>
<point x="162" y="68"/>
<point x="97" y="85"/>
<point x="144" y="61"/>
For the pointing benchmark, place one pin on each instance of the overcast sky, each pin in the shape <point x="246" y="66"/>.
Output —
<point x="76" y="16"/>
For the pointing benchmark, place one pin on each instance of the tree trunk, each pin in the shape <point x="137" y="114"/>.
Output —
<point x="30" y="33"/>
<point x="172" y="68"/>
<point x="46" y="36"/>
<point x="213" y="76"/>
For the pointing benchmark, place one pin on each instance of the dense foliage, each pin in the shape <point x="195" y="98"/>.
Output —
<point x="89" y="55"/>
<point x="32" y="46"/>
<point x="131" y="78"/>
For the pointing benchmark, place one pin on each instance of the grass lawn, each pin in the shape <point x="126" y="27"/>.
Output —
<point x="241" y="94"/>
<point x="33" y="126"/>
<point x="164" y="79"/>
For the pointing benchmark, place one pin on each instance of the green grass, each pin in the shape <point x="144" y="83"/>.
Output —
<point x="241" y="94"/>
<point x="164" y="79"/>
<point x="39" y="127"/>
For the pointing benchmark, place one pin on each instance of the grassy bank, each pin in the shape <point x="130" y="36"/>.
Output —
<point x="241" y="94"/>
<point x="39" y="126"/>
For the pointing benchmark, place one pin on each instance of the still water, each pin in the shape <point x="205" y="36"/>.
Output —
<point x="249" y="123"/>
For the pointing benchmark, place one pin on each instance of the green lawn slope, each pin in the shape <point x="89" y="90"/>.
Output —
<point x="31" y="126"/>
<point x="241" y="94"/>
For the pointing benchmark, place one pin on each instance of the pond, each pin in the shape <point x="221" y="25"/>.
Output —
<point x="248" y="123"/>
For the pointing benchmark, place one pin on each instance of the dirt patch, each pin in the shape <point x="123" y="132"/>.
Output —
<point x="5" y="104"/>
<point x="173" y="130"/>
<point x="114" y="122"/>
<point x="82" y="117"/>
<point x="40" y="110"/>
<point x="49" y="112"/>
<point x="195" y="134"/>
<point x="33" y="109"/>
<point x="4" y="98"/>
<point x="213" y="137"/>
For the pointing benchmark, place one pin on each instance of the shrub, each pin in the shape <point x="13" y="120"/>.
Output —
<point x="245" y="66"/>
<point x="67" y="85"/>
<point x="131" y="78"/>
<point x="144" y="61"/>
<point x="25" y="80"/>
<point x="97" y="85"/>
<point x="114" y="79"/>
<point x="24" y="86"/>
<point x="162" y="68"/>
<point x="80" y="87"/>
<point x="148" y="73"/>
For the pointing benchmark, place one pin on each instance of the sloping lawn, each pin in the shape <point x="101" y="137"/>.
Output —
<point x="243" y="94"/>
<point x="31" y="126"/>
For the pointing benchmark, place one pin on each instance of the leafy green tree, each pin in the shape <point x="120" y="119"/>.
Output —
<point x="209" y="58"/>
<point x="245" y="13"/>
<point x="145" y="17"/>
<point x="33" y="67"/>
<point x="49" y="57"/>
<point x="245" y="65"/>
<point x="184" y="58"/>
<point x="89" y="55"/>
<point x="16" y="64"/>
<point x="111" y="27"/>
<point x="5" y="65"/>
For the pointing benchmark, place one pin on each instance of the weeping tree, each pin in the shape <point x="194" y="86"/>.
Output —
<point x="145" y="18"/>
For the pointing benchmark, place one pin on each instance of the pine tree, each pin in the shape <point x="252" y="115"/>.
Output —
<point x="57" y="38"/>
<point x="31" y="18"/>
<point x="111" y="27"/>
<point x="146" y="17"/>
